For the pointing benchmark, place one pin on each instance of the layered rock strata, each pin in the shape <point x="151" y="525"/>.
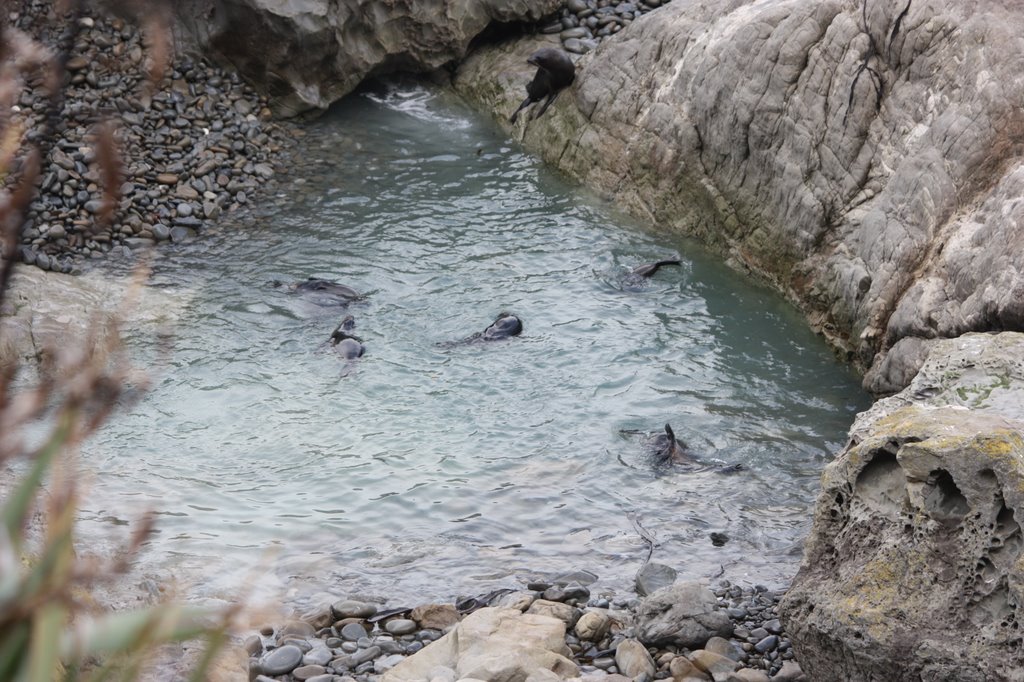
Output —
<point x="915" y="564"/>
<point x="864" y="157"/>
<point x="306" y="54"/>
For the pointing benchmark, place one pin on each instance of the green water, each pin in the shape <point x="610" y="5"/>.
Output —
<point x="431" y="471"/>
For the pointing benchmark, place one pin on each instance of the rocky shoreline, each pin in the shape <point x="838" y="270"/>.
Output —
<point x="199" y="146"/>
<point x="680" y="631"/>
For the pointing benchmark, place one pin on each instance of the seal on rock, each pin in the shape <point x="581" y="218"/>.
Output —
<point x="555" y="72"/>
<point x="344" y="343"/>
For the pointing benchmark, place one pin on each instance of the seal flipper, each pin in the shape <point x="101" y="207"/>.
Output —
<point x="648" y="269"/>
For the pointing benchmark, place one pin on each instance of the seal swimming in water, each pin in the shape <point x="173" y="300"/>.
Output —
<point x="667" y="448"/>
<point x="346" y="344"/>
<point x="322" y="291"/>
<point x="505" y="326"/>
<point x="555" y="72"/>
<point x="648" y="269"/>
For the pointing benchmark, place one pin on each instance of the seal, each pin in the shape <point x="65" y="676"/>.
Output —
<point x="648" y="269"/>
<point x="667" y="448"/>
<point x="322" y="291"/>
<point x="505" y="326"/>
<point x="555" y="72"/>
<point x="346" y="344"/>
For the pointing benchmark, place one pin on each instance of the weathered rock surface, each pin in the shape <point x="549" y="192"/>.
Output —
<point x="307" y="54"/>
<point x="43" y="310"/>
<point x="685" y="614"/>
<point x="914" y="568"/>
<point x="493" y="644"/>
<point x="863" y="157"/>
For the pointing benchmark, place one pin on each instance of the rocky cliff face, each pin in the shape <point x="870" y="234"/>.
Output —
<point x="307" y="54"/>
<point x="913" y="569"/>
<point x="865" y="157"/>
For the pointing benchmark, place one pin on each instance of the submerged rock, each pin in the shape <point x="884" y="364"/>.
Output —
<point x="913" y="567"/>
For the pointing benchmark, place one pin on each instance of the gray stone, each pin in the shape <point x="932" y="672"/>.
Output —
<point x="306" y="672"/>
<point x="281" y="660"/>
<point x="685" y="614"/>
<point x="401" y="626"/>
<point x="654" y="576"/>
<point x="767" y="644"/>
<point x="353" y="632"/>
<point x="160" y="232"/>
<point x="318" y="656"/>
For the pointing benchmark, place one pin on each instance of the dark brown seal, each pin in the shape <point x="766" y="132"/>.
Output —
<point x="648" y="269"/>
<point x="555" y="72"/>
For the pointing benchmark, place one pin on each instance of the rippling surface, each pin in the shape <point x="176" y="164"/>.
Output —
<point x="429" y="471"/>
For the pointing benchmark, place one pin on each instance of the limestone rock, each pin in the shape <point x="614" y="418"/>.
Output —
<point x="492" y="644"/>
<point x="683" y="669"/>
<point x="913" y="567"/>
<point x="633" y="659"/>
<point x="563" y="612"/>
<point x="862" y="157"/>
<point x="718" y="667"/>
<point x="307" y="54"/>
<point x="593" y="626"/>
<point x="685" y="614"/>
<point x="435" y="616"/>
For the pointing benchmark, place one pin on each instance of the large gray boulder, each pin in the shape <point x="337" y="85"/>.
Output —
<point x="913" y="569"/>
<point x="685" y="614"/>
<point x="493" y="644"/>
<point x="307" y="54"/>
<point x="864" y="157"/>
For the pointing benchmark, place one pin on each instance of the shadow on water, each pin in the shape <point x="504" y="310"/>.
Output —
<point x="430" y="471"/>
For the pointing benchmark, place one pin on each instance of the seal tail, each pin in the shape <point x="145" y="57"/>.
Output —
<point x="671" y="434"/>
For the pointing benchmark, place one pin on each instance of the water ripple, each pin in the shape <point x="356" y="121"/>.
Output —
<point x="430" y="470"/>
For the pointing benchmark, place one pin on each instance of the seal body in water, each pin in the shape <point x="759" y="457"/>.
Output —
<point x="555" y="72"/>
<point x="667" y="448"/>
<point x="344" y="342"/>
<point x="505" y="326"/>
<point x="322" y="291"/>
<point x="648" y="269"/>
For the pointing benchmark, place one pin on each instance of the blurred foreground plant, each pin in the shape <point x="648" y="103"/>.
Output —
<point x="48" y="626"/>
